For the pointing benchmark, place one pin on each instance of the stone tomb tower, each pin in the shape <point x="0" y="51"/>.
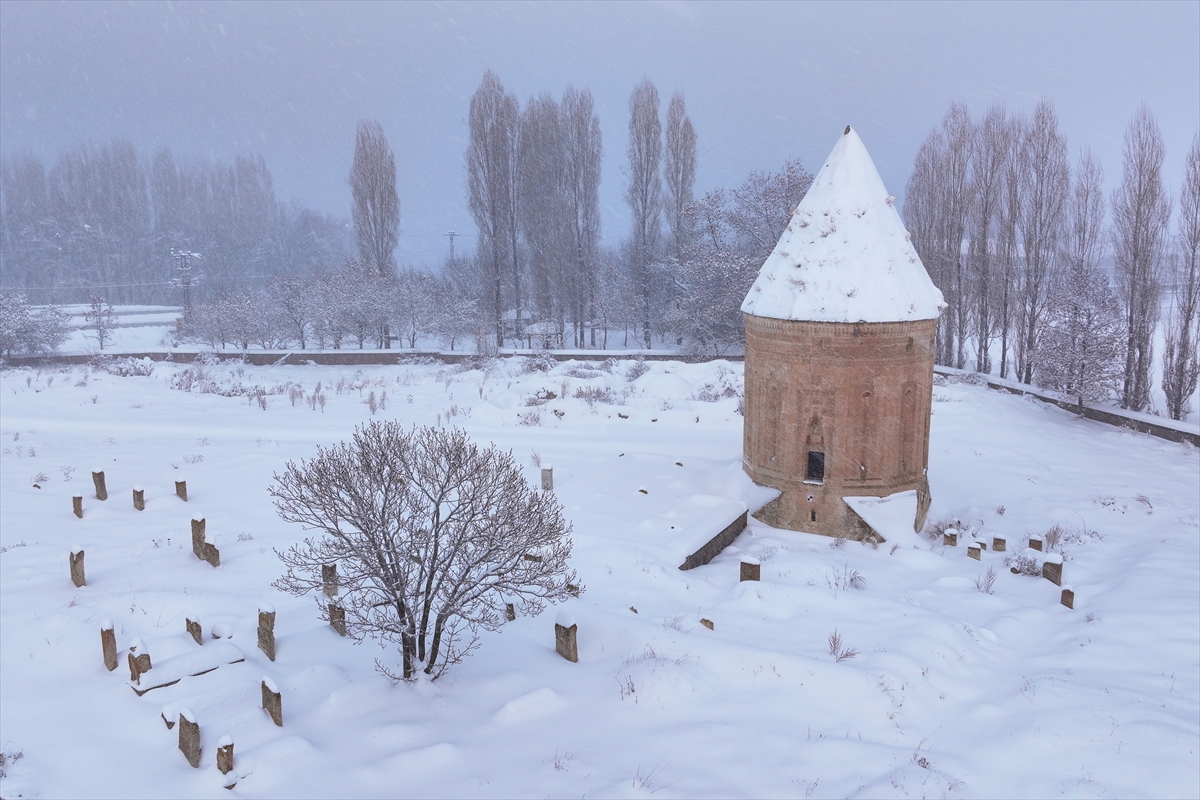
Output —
<point x="839" y="356"/>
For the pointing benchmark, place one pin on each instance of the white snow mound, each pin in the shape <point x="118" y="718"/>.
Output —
<point x="845" y="256"/>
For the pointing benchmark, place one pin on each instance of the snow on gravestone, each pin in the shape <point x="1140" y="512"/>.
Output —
<point x="189" y="737"/>
<point x="139" y="660"/>
<point x="266" y="630"/>
<point x="272" y="701"/>
<point x="76" y="562"/>
<point x="139" y="498"/>
<point x="108" y="644"/>
<point x="566" y="636"/>
<point x="225" y="754"/>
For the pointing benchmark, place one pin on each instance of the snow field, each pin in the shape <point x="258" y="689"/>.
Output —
<point x="952" y="691"/>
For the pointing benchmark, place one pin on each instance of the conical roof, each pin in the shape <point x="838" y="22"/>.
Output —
<point x="845" y="256"/>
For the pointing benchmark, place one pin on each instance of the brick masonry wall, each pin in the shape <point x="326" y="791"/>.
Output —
<point x="859" y="392"/>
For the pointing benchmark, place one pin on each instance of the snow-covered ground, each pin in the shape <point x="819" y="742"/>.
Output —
<point x="953" y="691"/>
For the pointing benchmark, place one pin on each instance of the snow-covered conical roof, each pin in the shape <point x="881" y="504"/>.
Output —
<point x="845" y="256"/>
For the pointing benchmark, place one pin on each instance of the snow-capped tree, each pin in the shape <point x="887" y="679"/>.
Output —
<point x="432" y="536"/>
<point x="1082" y="346"/>
<point x="26" y="330"/>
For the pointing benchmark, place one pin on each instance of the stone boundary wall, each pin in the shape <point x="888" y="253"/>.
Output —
<point x="1155" y="426"/>
<point x="1162" y="427"/>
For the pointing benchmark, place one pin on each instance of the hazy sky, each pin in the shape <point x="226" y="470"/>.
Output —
<point x="763" y="82"/>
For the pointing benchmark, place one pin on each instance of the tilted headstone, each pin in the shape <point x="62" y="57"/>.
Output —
<point x="77" y="505"/>
<point x="566" y="636"/>
<point x="189" y="737"/>
<point x="76" y="561"/>
<point x="139" y="498"/>
<point x="98" y="481"/>
<point x="337" y="618"/>
<point x="198" y="526"/>
<point x="266" y="630"/>
<point x="751" y="569"/>
<point x="181" y="490"/>
<point x="108" y="643"/>
<point x="329" y="578"/>
<point x="139" y="660"/>
<point x="272" y="701"/>
<point x="1052" y="568"/>
<point x="192" y="623"/>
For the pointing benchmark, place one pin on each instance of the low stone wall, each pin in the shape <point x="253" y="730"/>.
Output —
<point x="1143" y="423"/>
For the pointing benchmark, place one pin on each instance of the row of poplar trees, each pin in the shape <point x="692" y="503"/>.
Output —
<point x="1047" y="280"/>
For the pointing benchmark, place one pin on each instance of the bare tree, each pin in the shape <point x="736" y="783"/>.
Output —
<point x="937" y="208"/>
<point x="581" y="165"/>
<point x="992" y="151"/>
<point x="1045" y="187"/>
<point x="644" y="193"/>
<point x="376" y="206"/>
<point x="101" y="320"/>
<point x="1009" y="250"/>
<point x="491" y="190"/>
<point x="1141" y="213"/>
<point x="679" y="170"/>
<point x="544" y="227"/>
<point x="431" y="535"/>
<point x="1181" y="361"/>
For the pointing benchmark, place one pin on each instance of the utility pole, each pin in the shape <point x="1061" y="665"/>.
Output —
<point x="451" y="234"/>
<point x="184" y="279"/>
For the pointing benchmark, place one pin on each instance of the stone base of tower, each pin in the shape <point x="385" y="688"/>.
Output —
<point x="820" y="509"/>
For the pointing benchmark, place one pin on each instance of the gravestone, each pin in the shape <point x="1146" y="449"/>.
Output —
<point x="999" y="544"/>
<point x="1068" y="597"/>
<point x="566" y="636"/>
<point x="139" y="660"/>
<point x="225" y="755"/>
<point x="974" y="550"/>
<point x="751" y="570"/>
<point x="192" y="623"/>
<point x="266" y="630"/>
<point x="139" y="498"/>
<point x="108" y="644"/>
<point x="189" y="737"/>
<point x="337" y="618"/>
<point x="181" y="490"/>
<point x="272" y="701"/>
<point x="98" y="482"/>
<point x="329" y="578"/>
<point x="547" y="478"/>
<point x="77" y="505"/>
<point x="76" y="561"/>
<point x="1052" y="569"/>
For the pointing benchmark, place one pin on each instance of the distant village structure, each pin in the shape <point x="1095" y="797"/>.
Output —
<point x="839" y="358"/>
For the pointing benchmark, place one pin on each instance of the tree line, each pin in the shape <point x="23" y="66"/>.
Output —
<point x="1048" y="281"/>
<point x="105" y="220"/>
